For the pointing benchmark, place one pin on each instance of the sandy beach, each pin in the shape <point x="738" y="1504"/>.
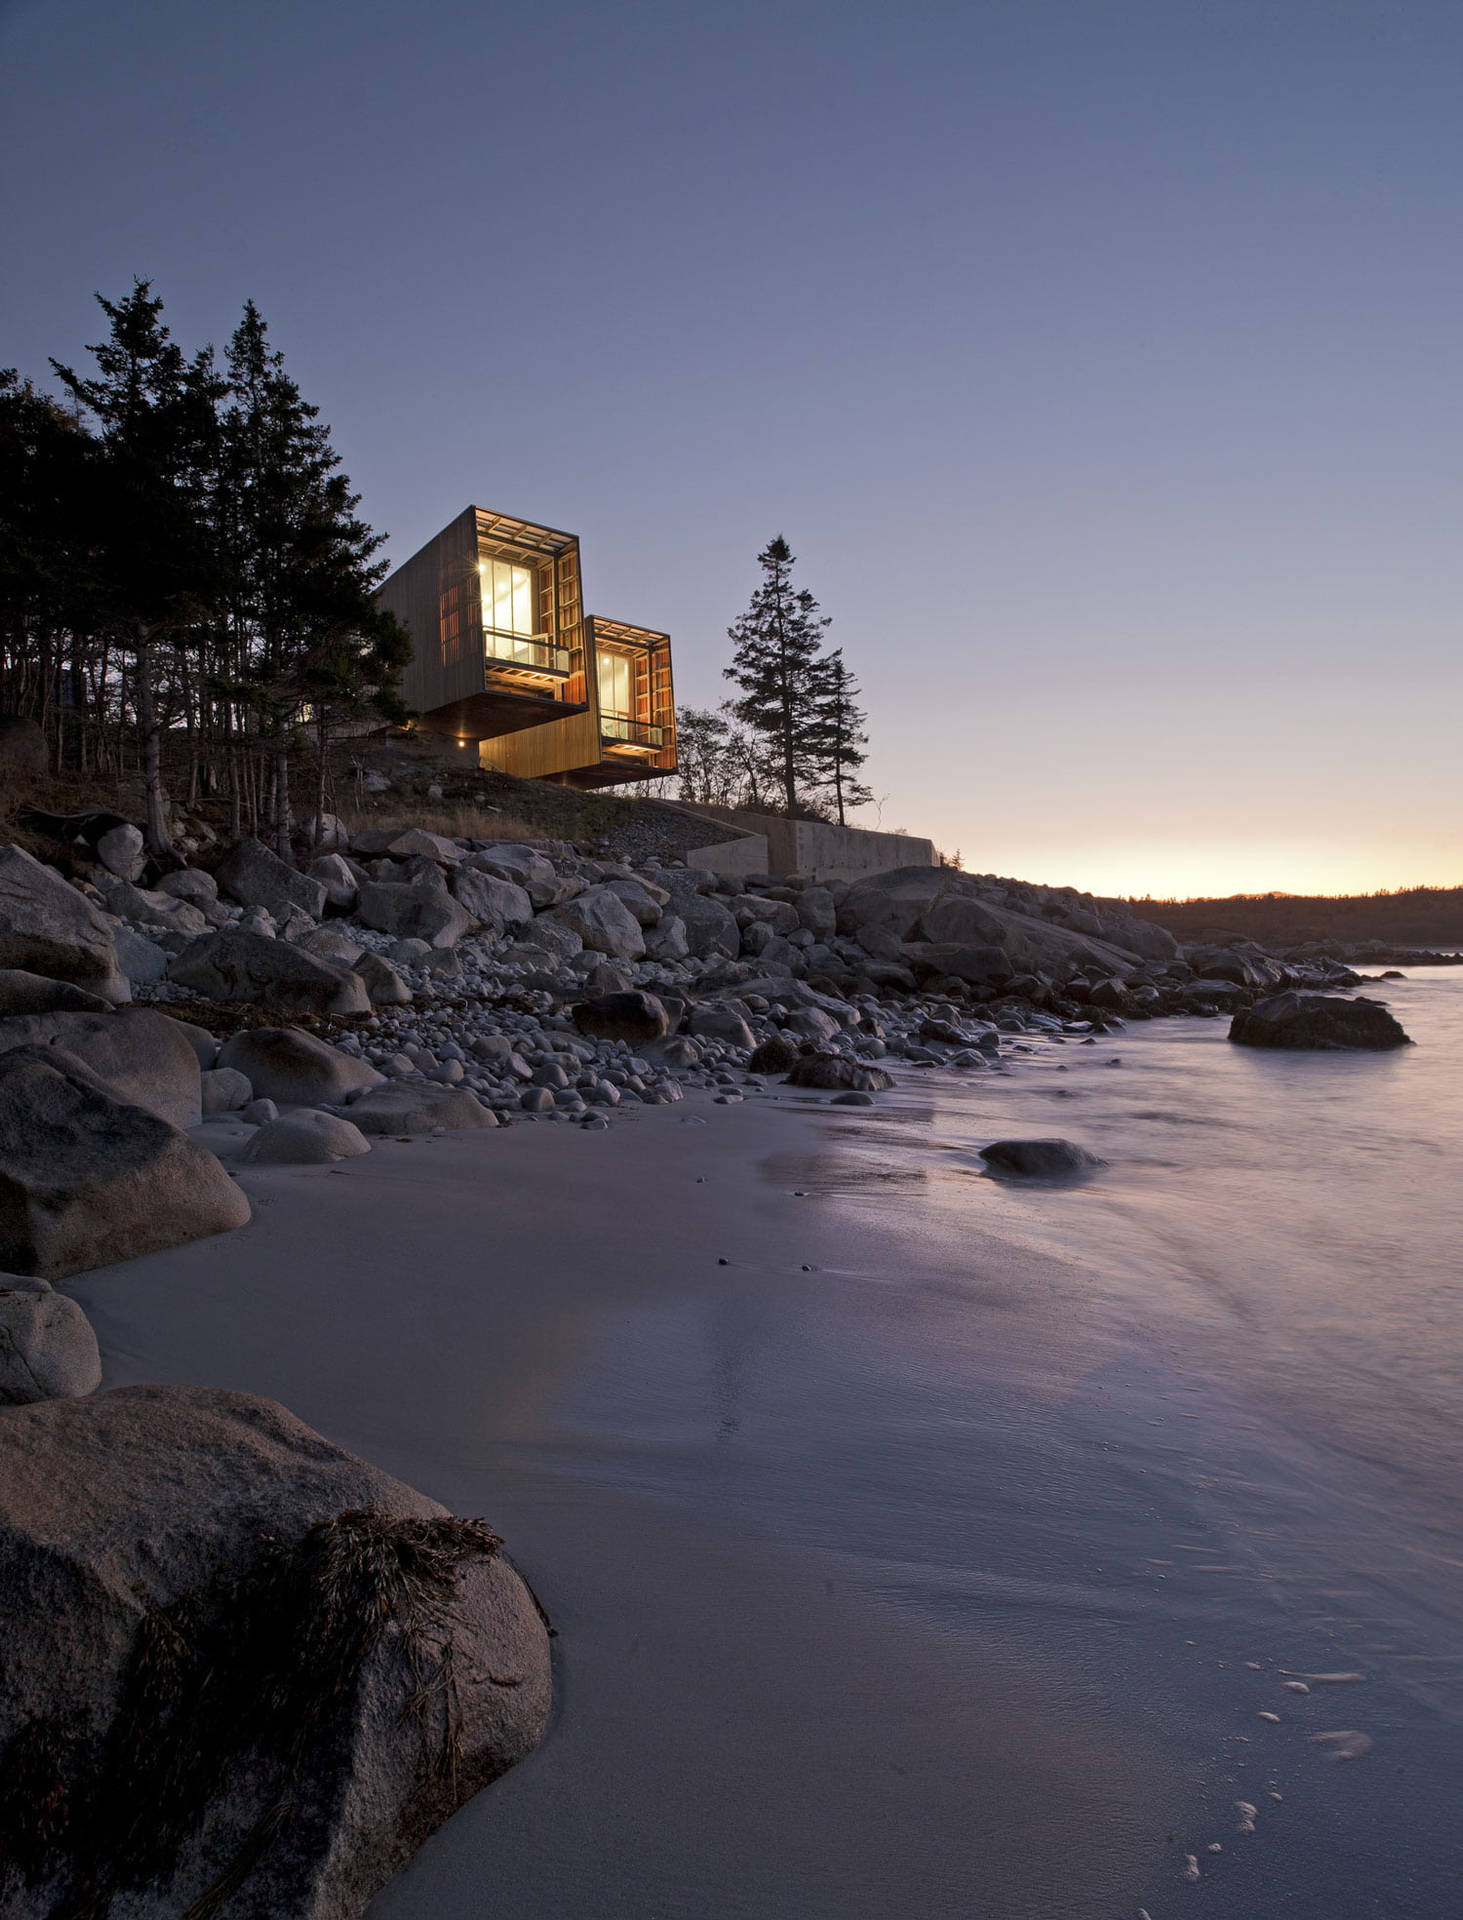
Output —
<point x="917" y="1543"/>
<point x="739" y="1728"/>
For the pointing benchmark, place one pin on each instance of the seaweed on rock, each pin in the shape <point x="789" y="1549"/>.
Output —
<point x="247" y="1690"/>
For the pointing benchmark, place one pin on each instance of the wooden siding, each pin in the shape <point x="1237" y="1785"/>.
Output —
<point x="441" y="579"/>
<point x="575" y="749"/>
<point x="450" y="680"/>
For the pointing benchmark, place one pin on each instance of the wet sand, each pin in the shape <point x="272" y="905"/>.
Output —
<point x="747" y="1722"/>
<point x="955" y="1549"/>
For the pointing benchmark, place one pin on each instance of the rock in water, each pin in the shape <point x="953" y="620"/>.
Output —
<point x="243" y="1668"/>
<point x="294" y="1068"/>
<point x="47" y="927"/>
<point x="836" y="1072"/>
<point x="48" y="1350"/>
<point x="86" y="1179"/>
<point x="1318" y="1021"/>
<point x="1039" y="1159"/>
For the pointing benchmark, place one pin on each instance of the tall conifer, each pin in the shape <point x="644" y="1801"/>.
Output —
<point x="155" y="562"/>
<point x="778" y="643"/>
<point x="839" y="736"/>
<point x="301" y="566"/>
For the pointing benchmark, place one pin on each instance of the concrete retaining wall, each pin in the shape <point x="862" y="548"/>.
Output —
<point x="813" y="847"/>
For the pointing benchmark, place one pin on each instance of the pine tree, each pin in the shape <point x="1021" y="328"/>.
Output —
<point x="839" y="736"/>
<point x="307" y="631"/>
<point x="155" y="565"/>
<point x="778" y="643"/>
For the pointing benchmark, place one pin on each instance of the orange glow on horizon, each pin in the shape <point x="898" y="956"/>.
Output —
<point x="1164" y="870"/>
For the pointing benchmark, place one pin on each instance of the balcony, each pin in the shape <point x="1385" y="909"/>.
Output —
<point x="526" y="655"/>
<point x="633" y="736"/>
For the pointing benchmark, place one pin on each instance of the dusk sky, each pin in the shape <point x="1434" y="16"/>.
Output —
<point x="1098" y="358"/>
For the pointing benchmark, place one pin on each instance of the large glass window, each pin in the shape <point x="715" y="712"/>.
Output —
<point x="507" y="610"/>
<point x="616" y="685"/>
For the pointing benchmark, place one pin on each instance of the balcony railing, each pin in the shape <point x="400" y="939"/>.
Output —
<point x="534" y="653"/>
<point x="620" y="729"/>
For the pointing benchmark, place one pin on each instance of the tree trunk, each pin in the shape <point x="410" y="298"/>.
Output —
<point x="282" y="802"/>
<point x="317" y="833"/>
<point x="158" y="839"/>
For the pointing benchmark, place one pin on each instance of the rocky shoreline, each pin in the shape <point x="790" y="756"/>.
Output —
<point x="400" y="985"/>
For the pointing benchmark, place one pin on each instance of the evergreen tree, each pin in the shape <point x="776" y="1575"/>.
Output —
<point x="46" y="457"/>
<point x="306" y="628"/>
<point x="146" y="521"/>
<point x="777" y="661"/>
<point x="839" y="736"/>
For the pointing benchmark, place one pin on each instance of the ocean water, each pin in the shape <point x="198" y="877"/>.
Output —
<point x="1189" y="1432"/>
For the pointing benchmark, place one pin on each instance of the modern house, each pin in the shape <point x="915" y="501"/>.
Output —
<point x="505" y="658"/>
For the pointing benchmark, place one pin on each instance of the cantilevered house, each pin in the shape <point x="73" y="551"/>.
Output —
<point x="503" y="655"/>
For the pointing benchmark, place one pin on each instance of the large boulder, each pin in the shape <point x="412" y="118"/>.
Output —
<point x="330" y="942"/>
<point x="294" y="1068"/>
<point x="1039" y="1159"/>
<point x="838" y="1073"/>
<point x="667" y="939"/>
<point x="335" y="874"/>
<point x="86" y="1179"/>
<point x="778" y="1053"/>
<point x="949" y="908"/>
<point x="237" y="965"/>
<point x="1143" y="937"/>
<point x="728" y="1026"/>
<point x="46" y="927"/>
<point x="419" y="1106"/>
<point x="193" y="884"/>
<point x="711" y="928"/>
<point x="645" y="900"/>
<point x="48" y="1349"/>
<point x="384" y="984"/>
<point x="22" y="992"/>
<point x="817" y="912"/>
<point x="416" y="842"/>
<point x="420" y="908"/>
<point x="550" y="936"/>
<point x="498" y="904"/>
<point x="138" y="1054"/>
<point x="122" y="851"/>
<point x="305" y="1138"/>
<point x="245" y="1673"/>
<point x="976" y="966"/>
<point x="141" y="960"/>
<point x="525" y="866"/>
<point x="1319" y="1022"/>
<point x="1241" y="969"/>
<point x="225" y="1090"/>
<point x="146" y="907"/>
<point x="255" y="877"/>
<point x="603" y="922"/>
<point x="636" y="1017"/>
